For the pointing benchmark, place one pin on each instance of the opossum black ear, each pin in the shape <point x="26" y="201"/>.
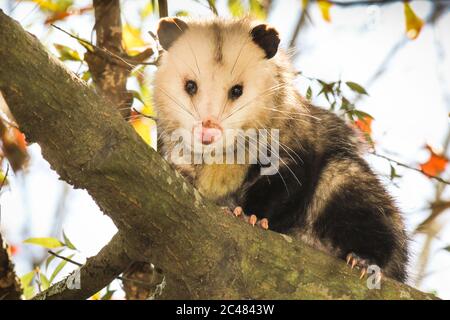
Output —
<point x="267" y="38"/>
<point x="169" y="30"/>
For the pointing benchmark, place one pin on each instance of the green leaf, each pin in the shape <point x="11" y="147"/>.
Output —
<point x="58" y="269"/>
<point x="28" y="292"/>
<point x="356" y="87"/>
<point x="89" y="47"/>
<point x="309" y="93"/>
<point x="257" y="9"/>
<point x="236" y="8"/>
<point x="447" y="248"/>
<point x="394" y="173"/>
<point x="49" y="243"/>
<point x="361" y="115"/>
<point x="45" y="283"/>
<point x="86" y="75"/>
<point x="66" y="53"/>
<point x="26" y="279"/>
<point x="27" y="284"/>
<point x="147" y="10"/>
<point x="182" y="13"/>
<point x="68" y="243"/>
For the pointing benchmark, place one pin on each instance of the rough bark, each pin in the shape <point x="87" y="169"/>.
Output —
<point x="9" y="282"/>
<point x="109" y="64"/>
<point x="204" y="253"/>
<point x="110" y="78"/>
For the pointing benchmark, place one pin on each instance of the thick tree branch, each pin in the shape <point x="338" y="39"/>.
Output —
<point x="111" y="80"/>
<point x="203" y="253"/>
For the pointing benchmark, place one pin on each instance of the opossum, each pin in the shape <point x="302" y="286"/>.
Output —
<point x="218" y="77"/>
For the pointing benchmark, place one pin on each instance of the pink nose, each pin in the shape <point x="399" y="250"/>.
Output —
<point x="208" y="132"/>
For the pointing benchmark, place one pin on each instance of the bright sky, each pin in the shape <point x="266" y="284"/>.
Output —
<point x="407" y="102"/>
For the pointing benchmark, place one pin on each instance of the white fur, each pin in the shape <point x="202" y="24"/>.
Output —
<point x="191" y="57"/>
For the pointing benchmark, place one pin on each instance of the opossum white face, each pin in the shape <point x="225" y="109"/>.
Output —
<point x="215" y="76"/>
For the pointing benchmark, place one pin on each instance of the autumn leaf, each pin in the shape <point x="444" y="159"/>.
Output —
<point x="132" y="40"/>
<point x="12" y="250"/>
<point x="147" y="10"/>
<point x="53" y="6"/>
<point x="324" y="6"/>
<point x="14" y="147"/>
<point x="142" y="127"/>
<point x="3" y="179"/>
<point x="413" y="23"/>
<point x="20" y="139"/>
<point x="236" y="8"/>
<point x="257" y="10"/>
<point x="57" y="16"/>
<point x="435" y="165"/>
<point x="364" y="124"/>
<point x="66" y="53"/>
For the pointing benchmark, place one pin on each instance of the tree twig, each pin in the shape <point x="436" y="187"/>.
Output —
<point x="410" y="167"/>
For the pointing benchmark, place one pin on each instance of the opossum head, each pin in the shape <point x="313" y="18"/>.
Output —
<point x="215" y="76"/>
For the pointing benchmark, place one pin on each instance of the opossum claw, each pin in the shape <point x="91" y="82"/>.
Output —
<point x="363" y="273"/>
<point x="252" y="220"/>
<point x="264" y="223"/>
<point x="355" y="261"/>
<point x="237" y="211"/>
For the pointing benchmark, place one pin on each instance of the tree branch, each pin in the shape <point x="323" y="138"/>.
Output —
<point x="93" y="276"/>
<point x="163" y="8"/>
<point x="9" y="283"/>
<point x="163" y="219"/>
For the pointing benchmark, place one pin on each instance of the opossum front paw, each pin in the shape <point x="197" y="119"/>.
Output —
<point x="361" y="263"/>
<point x="252" y="219"/>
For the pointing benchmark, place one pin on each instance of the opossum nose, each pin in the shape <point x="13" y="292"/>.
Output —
<point x="209" y="131"/>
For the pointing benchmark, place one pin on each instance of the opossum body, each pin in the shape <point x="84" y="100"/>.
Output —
<point x="229" y="74"/>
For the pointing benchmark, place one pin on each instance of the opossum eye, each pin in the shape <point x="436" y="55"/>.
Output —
<point x="236" y="92"/>
<point x="191" y="87"/>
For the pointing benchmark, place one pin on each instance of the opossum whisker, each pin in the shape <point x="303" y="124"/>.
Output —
<point x="281" y="159"/>
<point x="253" y="155"/>
<point x="238" y="56"/>
<point x="190" y="48"/>
<point x="289" y="113"/>
<point x="285" y="147"/>
<point x="184" y="62"/>
<point x="176" y="102"/>
<point x="264" y="94"/>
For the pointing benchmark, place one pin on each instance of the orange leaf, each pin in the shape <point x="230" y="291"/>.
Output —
<point x="413" y="23"/>
<point x="57" y="16"/>
<point x="20" y="139"/>
<point x="12" y="250"/>
<point x="324" y="6"/>
<point x="365" y="124"/>
<point x="435" y="165"/>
